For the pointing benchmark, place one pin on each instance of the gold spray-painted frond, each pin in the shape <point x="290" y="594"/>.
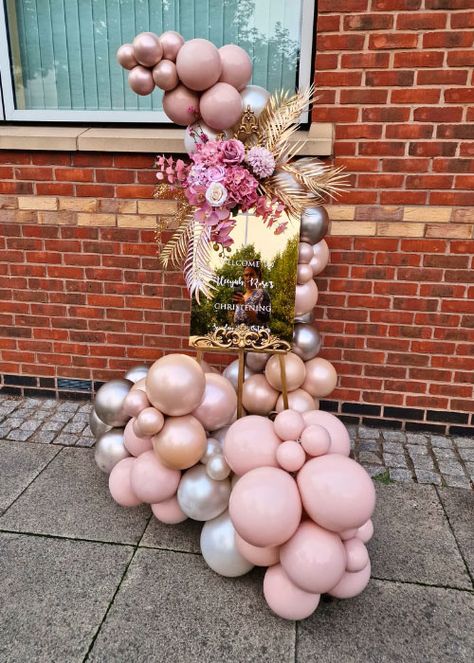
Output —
<point x="176" y="248"/>
<point x="198" y="274"/>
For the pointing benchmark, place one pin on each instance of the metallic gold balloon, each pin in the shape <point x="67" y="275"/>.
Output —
<point x="97" y="426"/>
<point x="294" y="369"/>
<point x="231" y="372"/>
<point x="321" y="377"/>
<point x="256" y="361"/>
<point x="181" y="442"/>
<point x="200" y="497"/>
<point x="109" y="402"/>
<point x="306" y="341"/>
<point x="255" y="97"/>
<point x="314" y="224"/>
<point x="298" y="400"/>
<point x="219" y="549"/>
<point x="136" y="373"/>
<point x="110" y="449"/>
<point x="258" y="396"/>
<point x="217" y="468"/>
<point x="149" y="422"/>
<point x="175" y="384"/>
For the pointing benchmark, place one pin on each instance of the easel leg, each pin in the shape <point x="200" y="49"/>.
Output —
<point x="284" y="388"/>
<point x="240" y="383"/>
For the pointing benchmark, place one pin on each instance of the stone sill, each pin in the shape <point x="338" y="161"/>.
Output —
<point x="319" y="139"/>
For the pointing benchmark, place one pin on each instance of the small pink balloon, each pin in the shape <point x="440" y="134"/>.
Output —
<point x="165" y="75"/>
<point x="135" y="401"/>
<point x="304" y="273"/>
<point x="149" y="422"/>
<point x="315" y="440"/>
<point x="289" y="425"/>
<point x="181" y="105"/>
<point x="306" y="297"/>
<point x="356" y="554"/>
<point x="148" y="49"/>
<point x="171" y="42"/>
<point x="265" y="506"/>
<point x="141" y="81"/>
<point x="236" y="66"/>
<point x="134" y="444"/>
<point x="340" y="440"/>
<point x="314" y="559"/>
<point x="337" y="492"/>
<point x="294" y="370"/>
<point x="151" y="481"/>
<point x="298" y="400"/>
<point x="291" y="456"/>
<point x="365" y="532"/>
<point x="119" y="483"/>
<point x="305" y="252"/>
<point x="168" y="512"/>
<point x="221" y="106"/>
<point x="351" y="584"/>
<point x="320" y="257"/>
<point x="321" y="377"/>
<point x="255" y="555"/>
<point x="348" y="534"/>
<point x="251" y="442"/>
<point x="284" y="598"/>
<point x="126" y="56"/>
<point x="218" y="403"/>
<point x="199" y="65"/>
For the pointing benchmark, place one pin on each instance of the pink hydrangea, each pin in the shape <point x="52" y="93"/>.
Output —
<point x="241" y="186"/>
<point x="208" y="154"/>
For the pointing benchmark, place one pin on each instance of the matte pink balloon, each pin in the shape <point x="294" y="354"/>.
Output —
<point x="141" y="81"/>
<point x="291" y="456"/>
<point x="150" y="421"/>
<point x="236" y="66"/>
<point x="181" y="105"/>
<point x="265" y="506"/>
<point x="351" y="584"/>
<point x="257" y="556"/>
<point x="218" y="403"/>
<point x="321" y="377"/>
<point x="165" y="75"/>
<point x="356" y="554"/>
<point x="199" y="65"/>
<point x="294" y="370"/>
<point x="314" y="559"/>
<point x="171" y="42"/>
<point x="337" y="492"/>
<point x="251" y="442"/>
<point x="151" y="481"/>
<point x="169" y="512"/>
<point x="119" y="483"/>
<point x="284" y="598"/>
<point x="305" y="252"/>
<point x="258" y="396"/>
<point x="134" y="444"/>
<point x="365" y="532"/>
<point x="148" y="49"/>
<point x="315" y="440"/>
<point x="298" y="400"/>
<point x="340" y="440"/>
<point x="126" y="56"/>
<point x="289" y="425"/>
<point x="320" y="258"/>
<point x="135" y="401"/>
<point x="304" y="273"/>
<point x="221" y="106"/>
<point x="306" y="297"/>
<point x="348" y="534"/>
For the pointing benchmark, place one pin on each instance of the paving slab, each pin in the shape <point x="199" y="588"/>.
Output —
<point x="172" y="607"/>
<point x="53" y="595"/>
<point x="19" y="465"/>
<point x="390" y="622"/>
<point x="459" y="507"/>
<point x="413" y="541"/>
<point x="71" y="498"/>
<point x="182" y="538"/>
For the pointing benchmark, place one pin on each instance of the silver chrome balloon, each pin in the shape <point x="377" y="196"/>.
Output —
<point x="305" y="317"/>
<point x="306" y="341"/>
<point x="110" y="449"/>
<point x="213" y="447"/>
<point x="136" y="373"/>
<point x="256" y="97"/>
<point x="200" y="497"/>
<point x="314" y="225"/>
<point x="219" y="549"/>
<point x="109" y="402"/>
<point x="96" y="425"/>
<point x="256" y="361"/>
<point x="231" y="372"/>
<point x="217" y="468"/>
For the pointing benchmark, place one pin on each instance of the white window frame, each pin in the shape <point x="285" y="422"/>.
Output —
<point x="10" y="113"/>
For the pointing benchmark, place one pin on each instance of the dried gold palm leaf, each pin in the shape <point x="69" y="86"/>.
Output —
<point x="176" y="248"/>
<point x="198" y="275"/>
<point x="321" y="180"/>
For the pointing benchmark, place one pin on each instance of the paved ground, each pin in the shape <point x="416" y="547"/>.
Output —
<point x="82" y="579"/>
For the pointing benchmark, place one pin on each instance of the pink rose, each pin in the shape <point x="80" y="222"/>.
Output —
<point x="232" y="151"/>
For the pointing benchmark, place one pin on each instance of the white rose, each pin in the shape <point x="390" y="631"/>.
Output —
<point x="216" y="194"/>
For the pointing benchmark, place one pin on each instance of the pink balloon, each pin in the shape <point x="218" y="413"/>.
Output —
<point x="168" y="512"/>
<point x="149" y="422"/>
<point x="305" y="252"/>
<point x="315" y="440"/>
<point x="356" y="554"/>
<point x="298" y="400"/>
<point x="265" y="506"/>
<point x="236" y="66"/>
<point x="221" y="106"/>
<point x="141" y="81"/>
<point x="337" y="492"/>
<point x="165" y="75"/>
<point x="148" y="49"/>
<point x="289" y="425"/>
<point x="348" y="534"/>
<point x="257" y="556"/>
<point x="251" y="442"/>
<point x="134" y="444"/>
<point x="284" y="598"/>
<point x="351" y="584"/>
<point x="291" y="456"/>
<point x="126" y="56"/>
<point x="321" y="377"/>
<point x="320" y="257"/>
<point x="258" y="396"/>
<point x="171" y="42"/>
<point x="218" y="403"/>
<point x="181" y="105"/>
<point x="119" y="483"/>
<point x="198" y="64"/>
<point x="340" y="440"/>
<point x="306" y="297"/>
<point x="151" y="481"/>
<point x="365" y="532"/>
<point x="135" y="401"/>
<point x="304" y="273"/>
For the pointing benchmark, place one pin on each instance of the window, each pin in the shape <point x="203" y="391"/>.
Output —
<point x="57" y="57"/>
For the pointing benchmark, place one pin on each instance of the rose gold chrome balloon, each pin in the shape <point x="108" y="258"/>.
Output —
<point x="141" y="81"/>
<point x="126" y="56"/>
<point x="148" y="49"/>
<point x="165" y="75"/>
<point x="171" y="42"/>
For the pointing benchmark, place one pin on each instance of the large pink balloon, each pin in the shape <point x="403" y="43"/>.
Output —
<point x="365" y="532"/>
<point x="289" y="425"/>
<point x="298" y="400"/>
<point x="351" y="584"/>
<point x="337" y="492"/>
<point x="340" y="440"/>
<point x="147" y="48"/>
<point x="126" y="56"/>
<point x="171" y="42"/>
<point x="181" y="105"/>
<point x="175" y="384"/>
<point x="284" y="598"/>
<point x="251" y="442"/>
<point x="321" y="377"/>
<point x="134" y="444"/>
<point x="151" y="481"/>
<point x="320" y="257"/>
<point x="141" y="81"/>
<point x="236" y="66"/>
<point x="221" y="106"/>
<point x="356" y="554"/>
<point x="257" y="556"/>
<point x="168" y="512"/>
<point x="258" y="396"/>
<point x="165" y="75"/>
<point x="265" y="506"/>
<point x="119" y="483"/>
<point x="199" y="65"/>
<point x="218" y="404"/>
<point x="294" y="370"/>
<point x="314" y="559"/>
<point x="306" y="297"/>
<point x="135" y="401"/>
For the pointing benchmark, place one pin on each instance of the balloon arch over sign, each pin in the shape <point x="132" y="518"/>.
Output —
<point x="275" y="487"/>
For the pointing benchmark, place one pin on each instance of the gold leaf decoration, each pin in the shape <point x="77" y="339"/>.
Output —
<point x="198" y="274"/>
<point x="176" y="249"/>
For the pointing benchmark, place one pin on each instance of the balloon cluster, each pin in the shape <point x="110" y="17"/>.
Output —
<point x="199" y="80"/>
